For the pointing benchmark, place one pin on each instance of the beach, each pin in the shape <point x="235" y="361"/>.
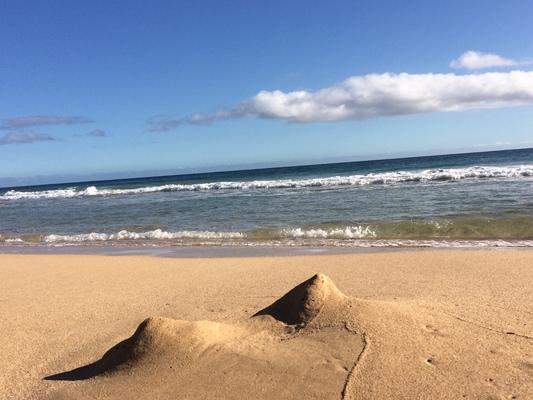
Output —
<point x="266" y="200"/>
<point x="427" y="324"/>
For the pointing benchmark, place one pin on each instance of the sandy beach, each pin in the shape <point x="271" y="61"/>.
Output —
<point x="266" y="200"/>
<point x="394" y="325"/>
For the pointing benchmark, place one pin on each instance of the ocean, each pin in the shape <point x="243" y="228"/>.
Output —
<point x="458" y="200"/>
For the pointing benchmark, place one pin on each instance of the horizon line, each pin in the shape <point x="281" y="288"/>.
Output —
<point x="219" y="171"/>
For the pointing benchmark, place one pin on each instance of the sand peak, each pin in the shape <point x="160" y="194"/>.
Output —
<point x="304" y="302"/>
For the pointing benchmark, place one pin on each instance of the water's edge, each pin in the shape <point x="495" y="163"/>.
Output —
<point x="211" y="251"/>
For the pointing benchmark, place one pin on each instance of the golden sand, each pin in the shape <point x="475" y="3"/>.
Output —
<point x="395" y="325"/>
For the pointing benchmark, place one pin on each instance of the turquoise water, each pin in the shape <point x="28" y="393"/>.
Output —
<point x="482" y="199"/>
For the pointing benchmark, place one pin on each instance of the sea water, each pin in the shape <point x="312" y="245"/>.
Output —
<point x="461" y="200"/>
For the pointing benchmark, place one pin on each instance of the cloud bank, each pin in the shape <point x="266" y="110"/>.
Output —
<point x="41" y="120"/>
<point x="478" y="60"/>
<point x="23" y="137"/>
<point x="374" y="95"/>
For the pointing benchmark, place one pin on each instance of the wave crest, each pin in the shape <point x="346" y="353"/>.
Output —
<point x="156" y="234"/>
<point x="396" y="177"/>
<point x="350" y="232"/>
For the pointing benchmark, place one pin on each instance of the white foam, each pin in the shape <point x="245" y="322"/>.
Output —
<point x="43" y="194"/>
<point x="156" y="234"/>
<point x="390" y="243"/>
<point x="459" y="244"/>
<point x="395" y="177"/>
<point x="350" y="237"/>
<point x="350" y="232"/>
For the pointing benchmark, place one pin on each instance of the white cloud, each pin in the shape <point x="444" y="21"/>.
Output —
<point x="376" y="95"/>
<point x="477" y="60"/>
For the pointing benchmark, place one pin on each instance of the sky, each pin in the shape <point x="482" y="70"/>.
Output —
<point x="99" y="89"/>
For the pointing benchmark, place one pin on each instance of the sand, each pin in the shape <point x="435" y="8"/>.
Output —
<point x="393" y="325"/>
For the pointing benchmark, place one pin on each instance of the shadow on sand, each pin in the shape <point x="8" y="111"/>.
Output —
<point x="110" y="360"/>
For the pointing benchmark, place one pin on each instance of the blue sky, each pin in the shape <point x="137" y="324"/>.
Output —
<point x="89" y="89"/>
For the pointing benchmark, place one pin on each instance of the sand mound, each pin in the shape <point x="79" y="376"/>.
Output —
<point x="305" y="302"/>
<point x="254" y="358"/>
<point x="157" y="337"/>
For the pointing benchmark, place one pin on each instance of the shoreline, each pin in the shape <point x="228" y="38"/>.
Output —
<point x="229" y="251"/>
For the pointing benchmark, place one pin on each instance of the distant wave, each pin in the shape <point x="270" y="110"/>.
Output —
<point x="396" y="177"/>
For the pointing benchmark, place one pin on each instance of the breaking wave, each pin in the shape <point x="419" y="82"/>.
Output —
<point x="156" y="234"/>
<point x="350" y="232"/>
<point x="433" y="233"/>
<point x="236" y="239"/>
<point x="396" y="177"/>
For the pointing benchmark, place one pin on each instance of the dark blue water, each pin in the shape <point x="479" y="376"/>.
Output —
<point x="473" y="197"/>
